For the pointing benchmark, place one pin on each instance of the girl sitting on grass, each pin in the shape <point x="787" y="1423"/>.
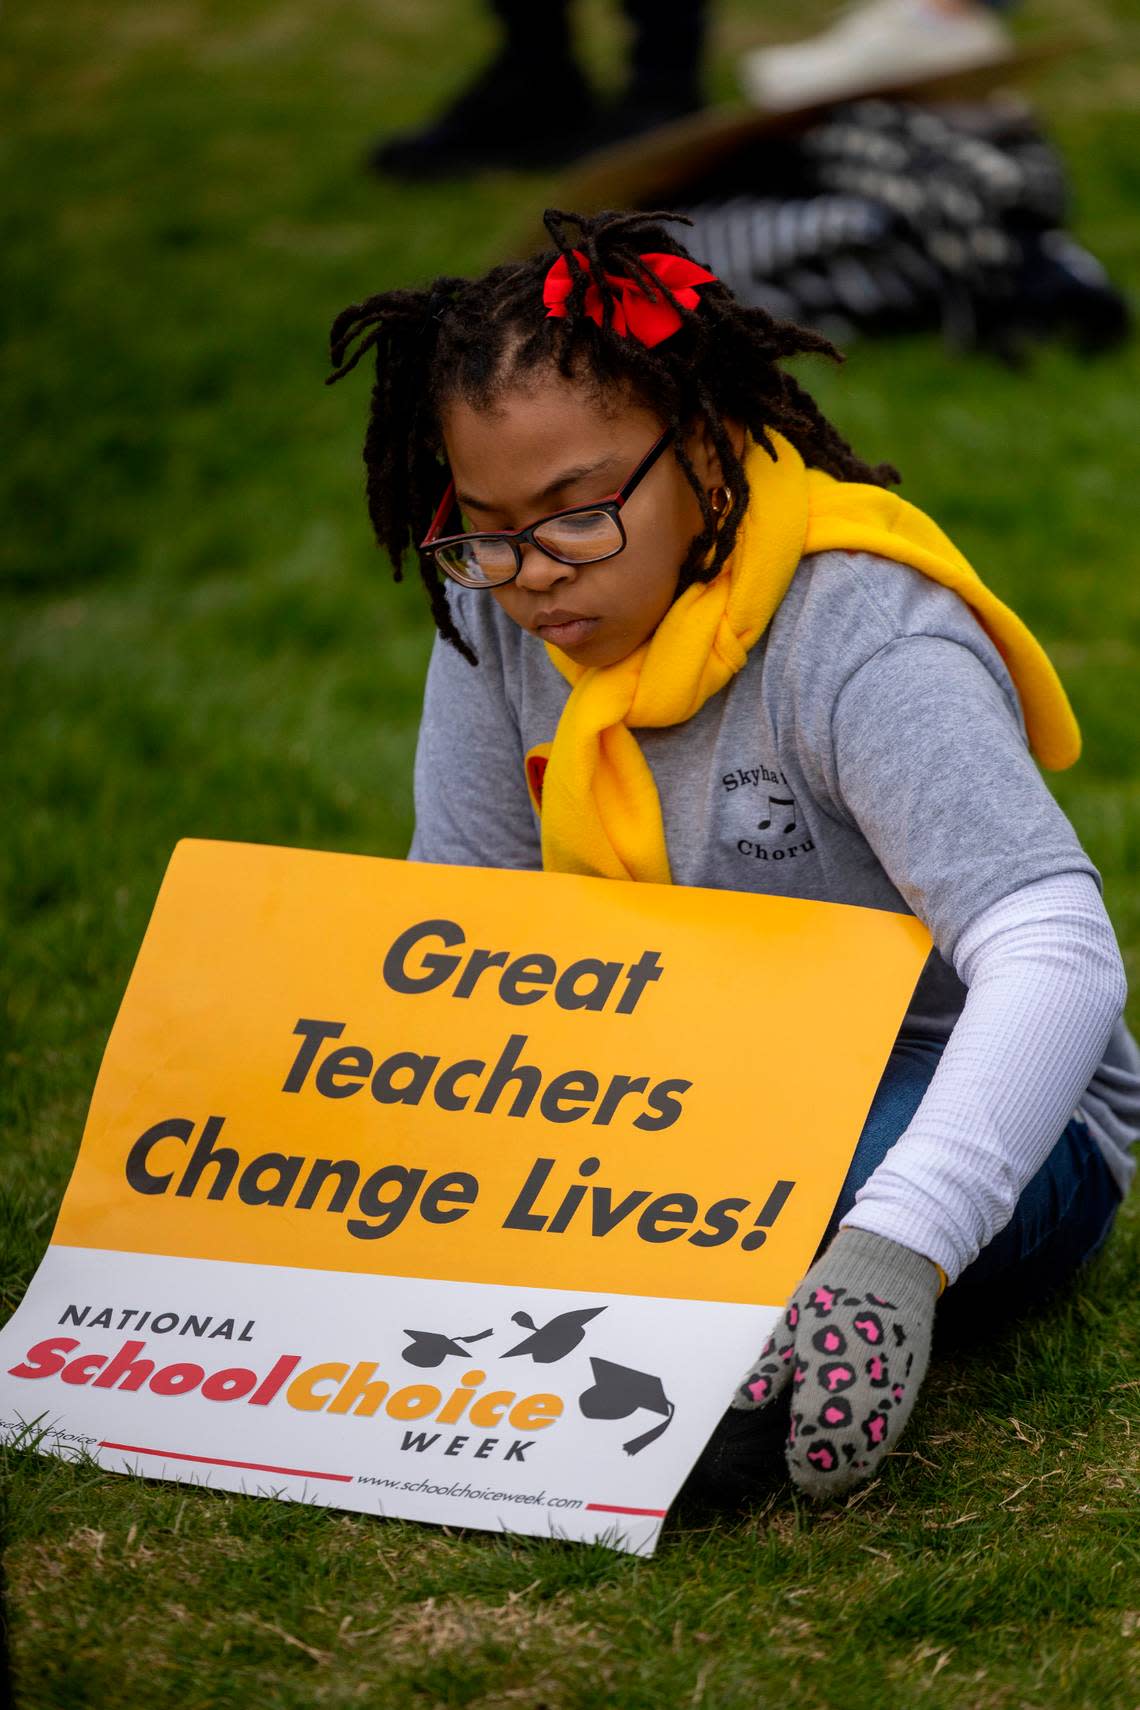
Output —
<point x="686" y="635"/>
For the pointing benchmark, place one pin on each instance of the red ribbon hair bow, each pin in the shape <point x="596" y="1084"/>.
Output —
<point x="636" y="314"/>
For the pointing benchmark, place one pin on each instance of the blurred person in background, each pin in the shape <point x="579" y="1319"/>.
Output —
<point x="532" y="105"/>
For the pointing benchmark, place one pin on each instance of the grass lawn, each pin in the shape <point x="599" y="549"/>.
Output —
<point x="200" y="640"/>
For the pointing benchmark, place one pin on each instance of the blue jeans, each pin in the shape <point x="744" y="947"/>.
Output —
<point x="1062" y="1217"/>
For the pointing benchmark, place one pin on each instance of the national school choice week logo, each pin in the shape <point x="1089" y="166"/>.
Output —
<point x="615" y="1391"/>
<point x="163" y="1162"/>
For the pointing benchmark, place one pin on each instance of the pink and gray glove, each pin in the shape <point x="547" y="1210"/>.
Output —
<point x="853" y="1344"/>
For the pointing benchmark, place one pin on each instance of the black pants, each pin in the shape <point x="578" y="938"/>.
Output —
<point x="668" y="42"/>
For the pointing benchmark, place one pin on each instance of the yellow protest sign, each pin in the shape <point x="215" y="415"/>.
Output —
<point x="355" y="1102"/>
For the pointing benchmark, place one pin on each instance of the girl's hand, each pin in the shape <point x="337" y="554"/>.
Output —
<point x="853" y="1344"/>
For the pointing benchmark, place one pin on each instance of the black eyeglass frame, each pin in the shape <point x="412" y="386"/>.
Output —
<point x="518" y="538"/>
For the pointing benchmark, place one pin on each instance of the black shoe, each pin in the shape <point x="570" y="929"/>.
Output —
<point x="743" y="1460"/>
<point x="515" y="114"/>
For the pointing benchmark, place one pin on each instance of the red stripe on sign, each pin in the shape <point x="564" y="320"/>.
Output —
<point x="213" y="1461"/>
<point x="609" y="1508"/>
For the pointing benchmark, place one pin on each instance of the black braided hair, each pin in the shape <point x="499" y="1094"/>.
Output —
<point x="469" y="338"/>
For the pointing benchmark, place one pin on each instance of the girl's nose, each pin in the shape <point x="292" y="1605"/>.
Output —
<point x="540" y="572"/>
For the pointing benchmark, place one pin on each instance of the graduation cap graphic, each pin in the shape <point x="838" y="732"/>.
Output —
<point x="555" y="1340"/>
<point x="618" y="1391"/>
<point x="431" y="1347"/>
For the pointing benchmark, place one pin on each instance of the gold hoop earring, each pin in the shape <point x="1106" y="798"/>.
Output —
<point x="720" y="501"/>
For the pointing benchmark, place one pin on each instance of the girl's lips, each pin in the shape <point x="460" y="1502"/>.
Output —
<point x="567" y="632"/>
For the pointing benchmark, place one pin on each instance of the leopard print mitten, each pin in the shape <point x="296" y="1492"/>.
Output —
<point x="853" y="1343"/>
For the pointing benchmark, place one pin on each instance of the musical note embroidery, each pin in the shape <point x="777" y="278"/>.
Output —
<point x="784" y="802"/>
<point x="780" y="822"/>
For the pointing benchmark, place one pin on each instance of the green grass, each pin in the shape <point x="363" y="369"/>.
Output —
<point x="200" y="640"/>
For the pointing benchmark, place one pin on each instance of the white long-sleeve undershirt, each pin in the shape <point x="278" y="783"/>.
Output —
<point x="1046" y="986"/>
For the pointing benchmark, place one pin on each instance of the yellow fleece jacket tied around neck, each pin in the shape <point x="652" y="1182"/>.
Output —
<point x="600" y="809"/>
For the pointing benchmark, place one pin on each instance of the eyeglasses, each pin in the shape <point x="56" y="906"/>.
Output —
<point x="584" y="534"/>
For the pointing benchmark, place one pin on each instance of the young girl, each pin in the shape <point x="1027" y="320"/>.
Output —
<point x="686" y="635"/>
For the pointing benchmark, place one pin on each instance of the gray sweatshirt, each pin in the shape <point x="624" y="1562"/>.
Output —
<point x="871" y="751"/>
